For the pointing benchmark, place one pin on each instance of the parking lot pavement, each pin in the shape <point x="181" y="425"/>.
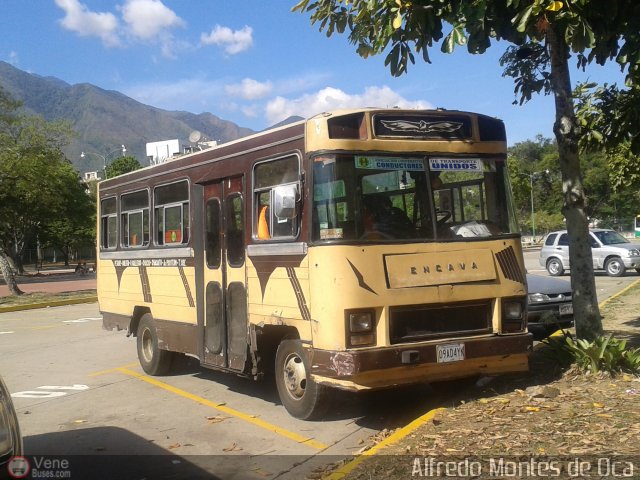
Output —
<point x="80" y="392"/>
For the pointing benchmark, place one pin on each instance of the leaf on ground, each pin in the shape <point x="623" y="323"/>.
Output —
<point x="217" y="419"/>
<point x="233" y="448"/>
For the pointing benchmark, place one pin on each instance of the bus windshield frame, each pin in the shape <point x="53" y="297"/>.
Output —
<point x="387" y="198"/>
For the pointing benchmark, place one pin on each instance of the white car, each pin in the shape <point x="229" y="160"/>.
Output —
<point x="611" y="252"/>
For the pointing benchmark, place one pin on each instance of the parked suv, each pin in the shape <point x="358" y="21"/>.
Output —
<point x="611" y="252"/>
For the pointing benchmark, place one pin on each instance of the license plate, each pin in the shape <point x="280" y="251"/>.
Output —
<point x="452" y="352"/>
<point x="566" y="309"/>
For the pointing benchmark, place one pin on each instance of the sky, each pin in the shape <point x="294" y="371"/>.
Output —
<point x="254" y="63"/>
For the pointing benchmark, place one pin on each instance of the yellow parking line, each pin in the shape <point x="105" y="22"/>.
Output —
<point x="625" y="289"/>
<point x="390" y="440"/>
<point x="229" y="411"/>
<point x="111" y="370"/>
<point x="45" y="327"/>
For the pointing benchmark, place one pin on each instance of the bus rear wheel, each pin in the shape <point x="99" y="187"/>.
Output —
<point x="153" y="359"/>
<point x="301" y="396"/>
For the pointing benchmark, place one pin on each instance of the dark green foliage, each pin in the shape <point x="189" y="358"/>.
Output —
<point x="602" y="354"/>
<point x="41" y="194"/>
<point x="121" y="165"/>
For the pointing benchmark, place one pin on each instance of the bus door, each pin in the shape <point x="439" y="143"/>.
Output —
<point x="224" y="323"/>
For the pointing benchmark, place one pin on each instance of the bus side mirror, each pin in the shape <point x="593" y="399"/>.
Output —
<point x="284" y="201"/>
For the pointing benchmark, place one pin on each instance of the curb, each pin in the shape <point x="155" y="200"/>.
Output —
<point x="394" y="438"/>
<point x="55" y="303"/>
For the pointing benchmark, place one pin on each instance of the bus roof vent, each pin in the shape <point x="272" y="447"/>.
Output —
<point x="347" y="127"/>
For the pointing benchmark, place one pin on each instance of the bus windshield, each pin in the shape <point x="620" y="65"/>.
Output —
<point x="409" y="198"/>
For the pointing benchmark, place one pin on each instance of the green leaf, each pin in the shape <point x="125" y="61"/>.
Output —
<point x="523" y="18"/>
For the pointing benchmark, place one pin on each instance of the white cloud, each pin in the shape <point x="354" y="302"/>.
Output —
<point x="13" y="58"/>
<point x="330" y="98"/>
<point x="233" y="41"/>
<point x="249" y="89"/>
<point x="149" y="19"/>
<point x="78" y="18"/>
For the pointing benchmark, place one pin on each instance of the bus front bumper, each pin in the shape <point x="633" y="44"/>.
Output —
<point x="417" y="363"/>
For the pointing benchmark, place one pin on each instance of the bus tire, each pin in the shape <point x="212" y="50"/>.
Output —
<point x="301" y="396"/>
<point x="153" y="359"/>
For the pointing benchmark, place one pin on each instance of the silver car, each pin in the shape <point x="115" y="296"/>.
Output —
<point x="611" y="252"/>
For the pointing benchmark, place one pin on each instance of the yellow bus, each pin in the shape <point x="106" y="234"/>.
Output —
<point x="358" y="250"/>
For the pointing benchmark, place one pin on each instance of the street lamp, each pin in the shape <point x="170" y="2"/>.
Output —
<point x="104" y="158"/>
<point x="533" y="221"/>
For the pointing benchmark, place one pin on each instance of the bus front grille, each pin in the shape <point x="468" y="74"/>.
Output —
<point x="414" y="323"/>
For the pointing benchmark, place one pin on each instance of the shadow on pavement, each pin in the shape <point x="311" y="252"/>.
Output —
<point x="107" y="453"/>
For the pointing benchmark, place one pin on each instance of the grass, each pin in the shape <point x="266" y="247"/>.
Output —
<point x="45" y="298"/>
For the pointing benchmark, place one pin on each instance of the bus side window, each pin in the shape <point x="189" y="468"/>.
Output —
<point x="134" y="219"/>
<point x="108" y="224"/>
<point x="267" y="177"/>
<point x="172" y="213"/>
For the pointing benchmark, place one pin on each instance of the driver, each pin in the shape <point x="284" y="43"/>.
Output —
<point x="383" y="220"/>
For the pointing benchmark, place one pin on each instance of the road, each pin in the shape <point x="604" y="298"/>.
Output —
<point x="81" y="394"/>
<point x="605" y="286"/>
<point x="79" y="391"/>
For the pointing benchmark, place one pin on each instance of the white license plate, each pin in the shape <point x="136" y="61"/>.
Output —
<point x="452" y="352"/>
<point x="566" y="309"/>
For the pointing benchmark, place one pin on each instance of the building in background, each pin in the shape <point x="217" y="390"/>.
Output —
<point x="160" y="152"/>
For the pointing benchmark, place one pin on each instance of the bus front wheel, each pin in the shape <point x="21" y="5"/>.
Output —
<point x="153" y="359"/>
<point x="301" y="396"/>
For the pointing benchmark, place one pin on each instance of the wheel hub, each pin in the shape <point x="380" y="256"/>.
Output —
<point x="147" y="345"/>
<point x="295" y="376"/>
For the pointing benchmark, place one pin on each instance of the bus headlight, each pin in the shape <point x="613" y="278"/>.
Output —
<point x="361" y="325"/>
<point x="513" y="316"/>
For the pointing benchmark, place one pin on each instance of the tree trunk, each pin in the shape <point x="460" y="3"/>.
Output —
<point x="9" y="277"/>
<point x="585" y="302"/>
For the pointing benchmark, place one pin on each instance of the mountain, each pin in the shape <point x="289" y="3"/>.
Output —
<point x="105" y="119"/>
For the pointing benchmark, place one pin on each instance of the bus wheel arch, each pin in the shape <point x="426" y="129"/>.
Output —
<point x="302" y="397"/>
<point x="138" y="312"/>
<point x="153" y="359"/>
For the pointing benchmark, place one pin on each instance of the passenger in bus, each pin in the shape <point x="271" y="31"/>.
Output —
<point x="436" y="181"/>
